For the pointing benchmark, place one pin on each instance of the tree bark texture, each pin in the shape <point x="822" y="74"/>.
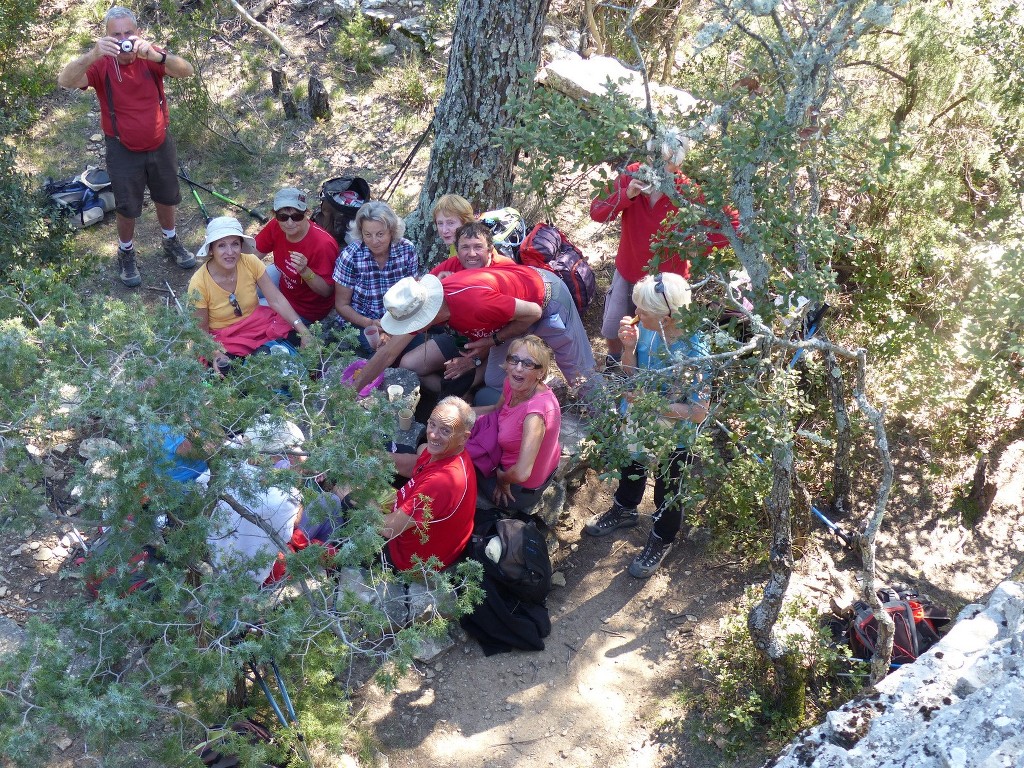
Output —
<point x="886" y="629"/>
<point x="841" y="480"/>
<point x="763" y="616"/>
<point x="492" y="40"/>
<point x="319" y="101"/>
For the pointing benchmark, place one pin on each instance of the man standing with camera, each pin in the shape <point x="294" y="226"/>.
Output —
<point x="127" y="72"/>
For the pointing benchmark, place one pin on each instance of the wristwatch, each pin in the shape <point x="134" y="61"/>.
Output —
<point x="477" y="361"/>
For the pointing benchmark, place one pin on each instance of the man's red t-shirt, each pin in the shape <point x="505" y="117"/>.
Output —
<point x="482" y="301"/>
<point x="320" y="251"/>
<point x="453" y="265"/>
<point x="641" y="221"/>
<point x="441" y="498"/>
<point x="135" y="91"/>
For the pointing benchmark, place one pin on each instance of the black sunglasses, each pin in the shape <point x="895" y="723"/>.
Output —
<point x="280" y="216"/>
<point x="234" y="304"/>
<point x="659" y="287"/>
<point x="529" y="365"/>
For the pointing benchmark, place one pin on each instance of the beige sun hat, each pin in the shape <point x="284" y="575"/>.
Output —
<point x="411" y="305"/>
<point x="225" y="226"/>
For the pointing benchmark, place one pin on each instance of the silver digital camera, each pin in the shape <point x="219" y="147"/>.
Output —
<point x="127" y="46"/>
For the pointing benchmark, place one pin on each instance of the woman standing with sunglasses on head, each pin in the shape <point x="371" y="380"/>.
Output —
<point x="653" y="341"/>
<point x="304" y="255"/>
<point x="223" y="295"/>
<point x="521" y="436"/>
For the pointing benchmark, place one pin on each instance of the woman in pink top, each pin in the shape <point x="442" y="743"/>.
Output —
<point x="529" y="419"/>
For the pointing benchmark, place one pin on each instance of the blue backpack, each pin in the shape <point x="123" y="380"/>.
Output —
<point x="87" y="196"/>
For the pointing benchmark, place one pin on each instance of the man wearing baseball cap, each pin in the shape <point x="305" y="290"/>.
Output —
<point x="304" y="256"/>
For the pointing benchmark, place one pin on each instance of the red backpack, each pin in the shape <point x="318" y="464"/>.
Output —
<point x="547" y="246"/>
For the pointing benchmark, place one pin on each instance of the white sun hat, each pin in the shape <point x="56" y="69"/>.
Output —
<point x="411" y="305"/>
<point x="225" y="226"/>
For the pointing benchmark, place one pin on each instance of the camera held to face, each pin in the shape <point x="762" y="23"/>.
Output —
<point x="127" y="46"/>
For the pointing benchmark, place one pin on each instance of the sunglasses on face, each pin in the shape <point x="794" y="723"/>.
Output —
<point x="234" y="304"/>
<point x="528" y="364"/>
<point x="282" y="216"/>
<point x="659" y="287"/>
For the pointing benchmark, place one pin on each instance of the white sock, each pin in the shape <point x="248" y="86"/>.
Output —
<point x="126" y="246"/>
<point x="169" y="233"/>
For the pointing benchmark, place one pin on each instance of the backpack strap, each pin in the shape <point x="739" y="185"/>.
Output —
<point x="158" y="82"/>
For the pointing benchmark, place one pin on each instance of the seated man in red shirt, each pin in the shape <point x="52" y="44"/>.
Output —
<point x="433" y="513"/>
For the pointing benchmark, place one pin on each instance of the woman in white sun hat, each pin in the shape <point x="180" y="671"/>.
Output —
<point x="223" y="296"/>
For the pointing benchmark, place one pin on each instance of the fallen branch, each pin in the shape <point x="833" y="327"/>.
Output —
<point x="262" y="28"/>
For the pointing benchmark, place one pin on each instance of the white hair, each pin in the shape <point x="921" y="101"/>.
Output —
<point x="120" y="12"/>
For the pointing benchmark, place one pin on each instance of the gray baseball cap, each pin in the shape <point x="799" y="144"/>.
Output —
<point x="290" y="197"/>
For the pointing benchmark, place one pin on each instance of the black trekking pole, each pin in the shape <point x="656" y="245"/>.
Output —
<point x="183" y="174"/>
<point x="223" y="198"/>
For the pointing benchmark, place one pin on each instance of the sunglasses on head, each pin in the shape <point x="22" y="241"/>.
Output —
<point x="528" y="364"/>
<point x="659" y="287"/>
<point x="282" y="216"/>
<point x="234" y="304"/>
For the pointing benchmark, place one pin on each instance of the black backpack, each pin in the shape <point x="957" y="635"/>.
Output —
<point x="917" y="622"/>
<point x="340" y="200"/>
<point x="523" y="568"/>
<point x="547" y="246"/>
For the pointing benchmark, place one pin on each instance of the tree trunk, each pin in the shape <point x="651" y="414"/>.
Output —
<point x="842" y="485"/>
<point x="762" y="617"/>
<point x="492" y="40"/>
<point x="278" y="80"/>
<point x="319" y="101"/>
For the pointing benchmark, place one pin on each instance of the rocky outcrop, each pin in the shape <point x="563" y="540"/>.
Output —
<point x="584" y="80"/>
<point x="959" y="705"/>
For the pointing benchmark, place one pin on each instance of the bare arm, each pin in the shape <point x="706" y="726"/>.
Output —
<point x="384" y="357"/>
<point x="316" y="283"/>
<point x="280" y="304"/>
<point x="395" y="523"/>
<point x="74" y="73"/>
<point x="174" y="65"/>
<point x="533" y="434"/>
<point x="343" y="304"/>
<point x="526" y="314"/>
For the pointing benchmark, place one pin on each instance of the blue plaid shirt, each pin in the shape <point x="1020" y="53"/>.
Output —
<point x="357" y="270"/>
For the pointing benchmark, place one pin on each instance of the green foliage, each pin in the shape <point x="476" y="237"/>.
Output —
<point x="32" y="235"/>
<point x="556" y="138"/>
<point x="24" y="78"/>
<point x="356" y="44"/>
<point x="440" y="16"/>
<point x="104" y="368"/>
<point x="736" y="704"/>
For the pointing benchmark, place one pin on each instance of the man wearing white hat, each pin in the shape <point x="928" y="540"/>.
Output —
<point x="491" y="307"/>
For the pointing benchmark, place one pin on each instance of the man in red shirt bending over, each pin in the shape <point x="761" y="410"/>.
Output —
<point x="127" y="72"/>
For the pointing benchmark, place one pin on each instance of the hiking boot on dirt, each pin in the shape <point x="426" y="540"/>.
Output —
<point x="647" y="562"/>
<point x="615" y="518"/>
<point x="175" y="250"/>
<point x="129" y="272"/>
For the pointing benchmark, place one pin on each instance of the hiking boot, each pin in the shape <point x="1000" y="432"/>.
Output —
<point x="129" y="272"/>
<point x="647" y="562"/>
<point x="174" y="249"/>
<point x="615" y="518"/>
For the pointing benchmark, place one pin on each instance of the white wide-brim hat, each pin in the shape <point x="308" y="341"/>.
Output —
<point x="411" y="305"/>
<point x="225" y="226"/>
<point x="272" y="435"/>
